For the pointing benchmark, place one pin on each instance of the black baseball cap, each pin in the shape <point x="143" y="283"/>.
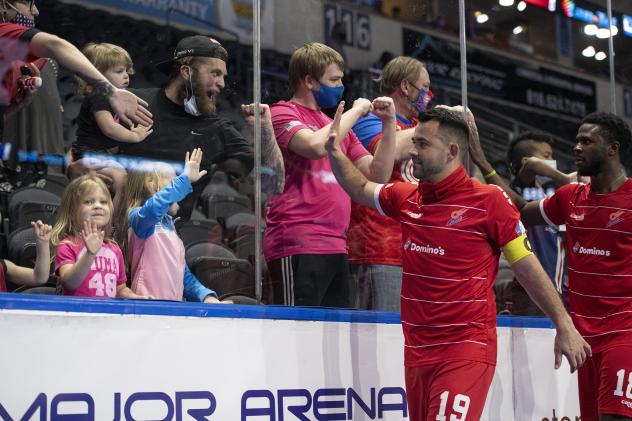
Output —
<point x="194" y="46"/>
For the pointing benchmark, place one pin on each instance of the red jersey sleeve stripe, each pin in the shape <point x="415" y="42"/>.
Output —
<point x="546" y="218"/>
<point x="376" y="199"/>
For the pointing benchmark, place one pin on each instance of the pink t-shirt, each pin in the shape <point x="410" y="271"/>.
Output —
<point x="105" y="275"/>
<point x="311" y="216"/>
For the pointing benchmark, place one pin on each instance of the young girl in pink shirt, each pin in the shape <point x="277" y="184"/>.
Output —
<point x="87" y="261"/>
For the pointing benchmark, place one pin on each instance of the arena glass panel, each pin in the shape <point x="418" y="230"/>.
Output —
<point x="313" y="232"/>
<point x="67" y="131"/>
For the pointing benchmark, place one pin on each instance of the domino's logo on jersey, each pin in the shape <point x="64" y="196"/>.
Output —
<point x="421" y="248"/>
<point x="592" y="251"/>
<point x="520" y="229"/>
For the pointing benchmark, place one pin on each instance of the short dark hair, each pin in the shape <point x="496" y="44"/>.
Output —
<point x="524" y="145"/>
<point x="612" y="128"/>
<point x="449" y="121"/>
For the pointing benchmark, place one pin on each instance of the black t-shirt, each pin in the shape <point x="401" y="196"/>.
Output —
<point x="89" y="135"/>
<point x="176" y="133"/>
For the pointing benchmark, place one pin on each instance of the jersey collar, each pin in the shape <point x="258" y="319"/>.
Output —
<point x="434" y="192"/>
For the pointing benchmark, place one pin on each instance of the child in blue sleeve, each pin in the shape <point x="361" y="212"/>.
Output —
<point x="152" y="245"/>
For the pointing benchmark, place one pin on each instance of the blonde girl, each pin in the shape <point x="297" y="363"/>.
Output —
<point x="87" y="261"/>
<point x="145" y="226"/>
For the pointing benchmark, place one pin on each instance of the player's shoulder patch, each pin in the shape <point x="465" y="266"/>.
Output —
<point x="291" y="124"/>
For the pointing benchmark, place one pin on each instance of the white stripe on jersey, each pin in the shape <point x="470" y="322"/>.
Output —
<point x="607" y="333"/>
<point x="602" y="207"/>
<point x="603" y="317"/>
<point x="599" y="296"/>
<point x="444" y="343"/>
<point x="444" y="302"/>
<point x="436" y="277"/>
<point x="444" y="228"/>
<point x="594" y="273"/>
<point x="597" y="229"/>
<point x="546" y="218"/>
<point x="376" y="198"/>
<point x="455" y="206"/>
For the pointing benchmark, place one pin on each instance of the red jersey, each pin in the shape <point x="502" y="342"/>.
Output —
<point x="374" y="239"/>
<point x="452" y="233"/>
<point x="14" y="40"/>
<point x="599" y="250"/>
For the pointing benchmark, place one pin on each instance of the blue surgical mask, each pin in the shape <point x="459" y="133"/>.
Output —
<point x="20" y="19"/>
<point x="190" y="103"/>
<point x="328" y="96"/>
<point x="421" y="103"/>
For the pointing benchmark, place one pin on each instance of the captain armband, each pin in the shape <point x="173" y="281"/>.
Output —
<point x="517" y="248"/>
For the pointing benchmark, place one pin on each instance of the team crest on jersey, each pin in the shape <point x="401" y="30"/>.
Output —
<point x="615" y="218"/>
<point x="456" y="217"/>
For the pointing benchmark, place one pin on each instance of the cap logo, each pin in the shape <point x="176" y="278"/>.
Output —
<point x="184" y="52"/>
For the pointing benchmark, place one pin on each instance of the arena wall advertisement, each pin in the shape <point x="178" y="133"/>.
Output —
<point x="500" y="77"/>
<point x="81" y="359"/>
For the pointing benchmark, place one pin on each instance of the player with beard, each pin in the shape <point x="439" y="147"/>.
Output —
<point x="185" y="118"/>
<point x="598" y="218"/>
<point x="453" y="229"/>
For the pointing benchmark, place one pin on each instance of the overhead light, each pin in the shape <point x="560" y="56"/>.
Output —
<point x="588" y="51"/>
<point x="506" y="2"/>
<point x="481" y="17"/>
<point x="591" y="29"/>
<point x="518" y="29"/>
<point x="600" y="56"/>
<point x="604" y="33"/>
<point x="521" y="6"/>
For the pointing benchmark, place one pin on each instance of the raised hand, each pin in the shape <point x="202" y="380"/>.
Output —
<point x="192" y="165"/>
<point x="42" y="231"/>
<point x="92" y="237"/>
<point x="29" y="89"/>
<point x="384" y="108"/>
<point x="141" y="132"/>
<point x="333" y="138"/>
<point x="363" y="104"/>
<point x="248" y="112"/>
<point x="129" y="107"/>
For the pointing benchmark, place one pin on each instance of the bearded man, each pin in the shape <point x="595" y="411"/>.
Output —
<point x="185" y="118"/>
